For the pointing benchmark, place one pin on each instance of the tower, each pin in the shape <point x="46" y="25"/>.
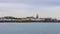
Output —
<point x="37" y="16"/>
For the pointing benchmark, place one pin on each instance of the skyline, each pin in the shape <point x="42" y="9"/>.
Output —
<point x="24" y="8"/>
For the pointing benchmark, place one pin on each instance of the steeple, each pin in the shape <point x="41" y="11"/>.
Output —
<point x="37" y="16"/>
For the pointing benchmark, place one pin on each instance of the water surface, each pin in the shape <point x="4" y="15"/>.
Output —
<point x="29" y="28"/>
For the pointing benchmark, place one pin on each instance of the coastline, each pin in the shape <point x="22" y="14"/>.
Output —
<point x="27" y="19"/>
<point x="30" y="21"/>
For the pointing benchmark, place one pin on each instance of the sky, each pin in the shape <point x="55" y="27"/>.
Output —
<point x="24" y="8"/>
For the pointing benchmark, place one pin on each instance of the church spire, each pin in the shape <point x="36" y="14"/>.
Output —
<point x="37" y="16"/>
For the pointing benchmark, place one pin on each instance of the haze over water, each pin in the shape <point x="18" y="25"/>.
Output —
<point x="29" y="28"/>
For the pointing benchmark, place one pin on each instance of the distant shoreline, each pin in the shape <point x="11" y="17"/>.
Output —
<point x="27" y="19"/>
<point x="29" y="22"/>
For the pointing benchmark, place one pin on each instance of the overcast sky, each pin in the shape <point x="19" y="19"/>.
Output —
<point x="23" y="8"/>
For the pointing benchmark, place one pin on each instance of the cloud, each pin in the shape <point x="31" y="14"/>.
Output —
<point x="34" y="2"/>
<point x="53" y="12"/>
<point x="14" y="9"/>
<point x="45" y="8"/>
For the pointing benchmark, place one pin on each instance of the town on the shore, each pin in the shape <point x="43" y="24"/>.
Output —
<point x="27" y="19"/>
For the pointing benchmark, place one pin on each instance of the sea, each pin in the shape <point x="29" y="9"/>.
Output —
<point x="30" y="28"/>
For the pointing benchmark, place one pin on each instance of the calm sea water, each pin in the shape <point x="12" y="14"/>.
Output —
<point x="29" y="28"/>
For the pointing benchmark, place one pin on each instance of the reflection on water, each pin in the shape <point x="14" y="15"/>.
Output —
<point x="29" y="28"/>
